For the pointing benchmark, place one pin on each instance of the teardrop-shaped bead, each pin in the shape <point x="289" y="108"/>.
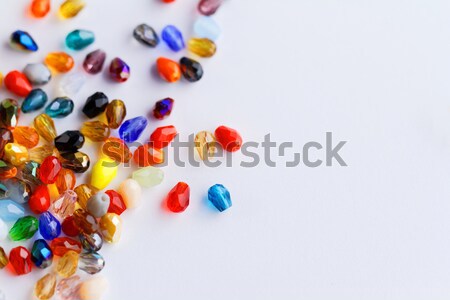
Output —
<point x="44" y="288"/>
<point x="85" y="222"/>
<point x="147" y="155"/>
<point x="17" y="83"/>
<point x="7" y="170"/>
<point x="94" y="61"/>
<point x="76" y="161"/>
<point x="111" y="227"/>
<point x="24" y="228"/>
<point x="192" y="70"/>
<point x="67" y="265"/>
<point x="9" y="113"/>
<point x="49" y="170"/>
<point x="131" y="192"/>
<point x="40" y="8"/>
<point x="91" y="242"/>
<point x="116" y="203"/>
<point x="41" y="254"/>
<point x="30" y="173"/>
<point x="162" y="136"/>
<point x="206" y="27"/>
<point x="62" y="245"/>
<point x="95" y="104"/>
<point x="132" y="129"/>
<point x="3" y="258"/>
<point x="96" y="131"/>
<point x="22" y="40"/>
<point x="163" y="108"/>
<point x="69" y="141"/>
<point x="39" y="200"/>
<point x="71" y="8"/>
<point x="20" y="260"/>
<point x="37" y="73"/>
<point x="60" y="107"/>
<point x="79" y="39"/>
<point x="103" y="172"/>
<point x="169" y="70"/>
<point x="115" y="113"/>
<point x="119" y="70"/>
<point x="65" y="205"/>
<point x="45" y="126"/>
<point x="15" y="154"/>
<point x="35" y="100"/>
<point x="65" y="180"/>
<point x="26" y="136"/>
<point x="206" y="144"/>
<point x="38" y="154"/>
<point x="91" y="263"/>
<point x="202" y="47"/>
<point x="49" y="226"/>
<point x="146" y="35"/>
<point x="10" y="211"/>
<point x="178" y="198"/>
<point x="59" y="61"/>
<point x="72" y="83"/>
<point x="67" y="288"/>
<point x="148" y="176"/>
<point x="116" y="149"/>
<point x="209" y="7"/>
<point x="93" y="288"/>
<point x="6" y="137"/>
<point x="173" y="38"/>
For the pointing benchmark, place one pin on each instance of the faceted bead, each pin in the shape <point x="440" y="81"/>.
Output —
<point x="91" y="263"/>
<point x="95" y="105"/>
<point x="40" y="8"/>
<point x="35" y="100"/>
<point x="202" y="47"/>
<point x="98" y="204"/>
<point x="9" y="113"/>
<point x="30" y="173"/>
<point x="146" y="35"/>
<point x="229" y="138"/>
<point x="41" y="254"/>
<point x="60" y="107"/>
<point x="116" y="203"/>
<point x="3" y="258"/>
<point x="79" y="39"/>
<point x="71" y="8"/>
<point x="20" y="259"/>
<point x="162" y="136"/>
<point x="63" y="244"/>
<point x="103" y="172"/>
<point x="219" y="196"/>
<point x="49" y="170"/>
<point x="96" y="131"/>
<point x="192" y="70"/>
<point x="15" y="154"/>
<point x="93" y="288"/>
<point x="94" y="61"/>
<point x="10" y="211"/>
<point x="67" y="288"/>
<point x="39" y="200"/>
<point x="115" y="113"/>
<point x="206" y="27"/>
<point x="64" y="206"/>
<point x="178" y="198"/>
<point x="146" y="155"/>
<point x="22" y="40"/>
<point x="65" y="180"/>
<point x="45" y="287"/>
<point x="26" y="136"/>
<point x="173" y="38"/>
<point x="45" y="126"/>
<point x="67" y="265"/>
<point x="163" y="108"/>
<point x="119" y="70"/>
<point x="91" y="242"/>
<point x="69" y="228"/>
<point x="7" y="170"/>
<point x="17" y="83"/>
<point x="38" y="154"/>
<point x="6" y="137"/>
<point x="59" y="61"/>
<point x="168" y="69"/>
<point x="78" y="161"/>
<point x="24" y="228"/>
<point x="84" y="192"/>
<point x="209" y="7"/>
<point x="132" y="129"/>
<point x="49" y="226"/>
<point x="131" y="192"/>
<point x="148" y="176"/>
<point x="37" y="73"/>
<point x="69" y="141"/>
<point x="72" y="83"/>
<point x="17" y="190"/>
<point x="111" y="227"/>
<point x="205" y="143"/>
<point x="116" y="149"/>
<point x="85" y="222"/>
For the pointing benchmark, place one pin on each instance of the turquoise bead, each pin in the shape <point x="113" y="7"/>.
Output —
<point x="35" y="100"/>
<point x="10" y="211"/>
<point x="206" y="27"/>
<point x="79" y="39"/>
<point x="59" y="108"/>
<point x="219" y="196"/>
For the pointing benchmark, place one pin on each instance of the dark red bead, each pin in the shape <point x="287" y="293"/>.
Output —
<point x="39" y="200"/>
<point x="116" y="204"/>
<point x="49" y="170"/>
<point x="178" y="197"/>
<point x="69" y="228"/>
<point x="229" y="138"/>
<point x="162" y="136"/>
<point x="20" y="259"/>
<point x="163" y="108"/>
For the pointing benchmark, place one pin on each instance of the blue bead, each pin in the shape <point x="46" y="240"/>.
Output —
<point x="206" y="27"/>
<point x="35" y="100"/>
<point x="173" y="38"/>
<point x="41" y="254"/>
<point x="10" y="211"/>
<point x="49" y="226"/>
<point x="219" y="196"/>
<point x="79" y="39"/>
<point x="132" y="129"/>
<point x="59" y="108"/>
<point x="22" y="40"/>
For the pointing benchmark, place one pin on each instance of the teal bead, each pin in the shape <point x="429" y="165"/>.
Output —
<point x="24" y="228"/>
<point x="219" y="196"/>
<point x="79" y="39"/>
<point x="10" y="211"/>
<point x="60" y="107"/>
<point x="206" y="27"/>
<point x="35" y="100"/>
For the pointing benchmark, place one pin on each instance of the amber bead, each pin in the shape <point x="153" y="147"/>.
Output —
<point x="67" y="265"/>
<point x="26" y="136"/>
<point x="84" y="192"/>
<point x="7" y="170"/>
<point x="38" y="154"/>
<point x="111" y="227"/>
<point x="59" y="61"/>
<point x="3" y="258"/>
<point x="61" y="245"/>
<point x="116" y="149"/>
<point x="115" y="113"/>
<point x="202" y="47"/>
<point x="65" y="180"/>
<point x="85" y="222"/>
<point x="45" y="287"/>
<point x="96" y="131"/>
<point x="78" y="161"/>
<point x="15" y="154"/>
<point x="45" y="126"/>
<point x="9" y="113"/>
<point x="6" y="137"/>
<point x="206" y="144"/>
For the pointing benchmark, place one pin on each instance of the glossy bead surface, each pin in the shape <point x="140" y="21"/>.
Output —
<point x="49" y="170"/>
<point x="116" y="149"/>
<point x="98" y="204"/>
<point x="7" y="170"/>
<point x="69" y="228"/>
<point x="219" y="196"/>
<point x="17" y="190"/>
<point x="116" y="203"/>
<point x="60" y="107"/>
<point x="93" y="288"/>
<point x="173" y="38"/>
<point x="94" y="61"/>
<point x="40" y="8"/>
<point x="24" y="228"/>
<point x="49" y="226"/>
<point x="10" y="211"/>
<point x="20" y="260"/>
<point x="15" y="154"/>
<point x="39" y="200"/>
<point x="85" y="222"/>
<point x="163" y="108"/>
<point x="84" y="192"/>
<point x="3" y="258"/>
<point x="22" y="40"/>
<point x="209" y="7"/>
<point x="59" y="61"/>
<point x="71" y="8"/>
<point x="162" y="136"/>
<point x="35" y="100"/>
<point x="111" y="227"/>
<point x="6" y="137"/>
<point x="119" y="70"/>
<point x="192" y="70"/>
<point x="146" y="155"/>
<point x="37" y="73"/>
<point x="96" y="131"/>
<point x="65" y="180"/>
<point x="67" y="288"/>
<point x="26" y="136"/>
<point x="30" y="173"/>
<point x="229" y="138"/>
<point x="45" y="126"/>
<point x="64" y="206"/>
<point x="132" y="129"/>
<point x="69" y="141"/>
<point x="91" y="263"/>
<point x="17" y="83"/>
<point x="115" y="113"/>
<point x="205" y="143"/>
<point x="178" y="198"/>
<point x="76" y="161"/>
<point x="131" y="192"/>
<point x="38" y="154"/>
<point x="206" y="27"/>
<point x="67" y="265"/>
<point x="148" y="176"/>
<point x="91" y="242"/>
<point x="103" y="172"/>
<point x="202" y="47"/>
<point x="72" y="83"/>
<point x="9" y="113"/>
<point x="169" y="70"/>
<point x="44" y="288"/>
<point x="79" y="39"/>
<point x="61" y="245"/>
<point x="146" y="35"/>
<point x="95" y="104"/>
<point x="41" y="254"/>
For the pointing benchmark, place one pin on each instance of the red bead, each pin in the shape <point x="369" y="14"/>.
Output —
<point x="17" y="83"/>
<point x="146" y="155"/>
<point x="61" y="245"/>
<point x="49" y="170"/>
<point x="178" y="197"/>
<point x="20" y="259"/>
<point x="168" y="1"/>
<point x="162" y="136"/>
<point x="69" y="228"/>
<point x="116" y="204"/>
<point x="229" y="138"/>
<point x="40" y="200"/>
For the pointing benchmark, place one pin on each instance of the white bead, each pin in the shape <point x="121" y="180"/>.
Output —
<point x="98" y="204"/>
<point x="131" y="192"/>
<point x="37" y="73"/>
<point x="93" y="288"/>
<point x="72" y="83"/>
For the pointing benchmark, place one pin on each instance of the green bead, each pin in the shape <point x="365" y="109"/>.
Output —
<point x="148" y="176"/>
<point x="24" y="228"/>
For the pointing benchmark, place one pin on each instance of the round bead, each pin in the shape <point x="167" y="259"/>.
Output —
<point x="17" y="83"/>
<point x="111" y="227"/>
<point x="39" y="200"/>
<point x="98" y="204"/>
<point x="59" y="61"/>
<point x="168" y="69"/>
<point x="131" y="192"/>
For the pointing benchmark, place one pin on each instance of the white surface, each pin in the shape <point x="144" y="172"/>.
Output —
<point x="375" y="73"/>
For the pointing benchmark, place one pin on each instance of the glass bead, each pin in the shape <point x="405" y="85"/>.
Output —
<point x="15" y="154"/>
<point x="132" y="129"/>
<point x="103" y="172"/>
<point x="67" y="288"/>
<point x="3" y="233"/>
<point x="10" y="211"/>
<point x="148" y="176"/>
<point x="116" y="149"/>
<point x="94" y="61"/>
<point x="95" y="104"/>
<point x="219" y="196"/>
<point x="96" y="131"/>
<point x="7" y="170"/>
<point x="116" y="203"/>
<point x="91" y="263"/>
<point x="38" y="154"/>
<point x="41" y="254"/>
<point x="205" y="143"/>
<point x="85" y="222"/>
<point x="39" y="200"/>
<point x="209" y="7"/>
<point x="20" y="260"/>
<point x="146" y="35"/>
<point x="65" y="180"/>
<point x="26" y="136"/>
<point x="17" y="83"/>
<point x="45" y="126"/>
<point x="69" y="141"/>
<point x="111" y="227"/>
<point x="71" y="8"/>
<point x="59" y="61"/>
<point x="131" y="192"/>
<point x="44" y="288"/>
<point x="178" y="198"/>
<point x="49" y="226"/>
<point x="98" y="204"/>
<point x="93" y="288"/>
<point x="6" y="137"/>
<point x="146" y="155"/>
<point x="76" y="161"/>
<point x="115" y="113"/>
<point x="84" y="192"/>
<point x="72" y="83"/>
<point x="9" y="113"/>
<point x="67" y="265"/>
<point x="192" y="70"/>
<point x="22" y="40"/>
<point x="60" y="107"/>
<point x="229" y="138"/>
<point x="49" y="170"/>
<point x="91" y="242"/>
<point x="40" y="8"/>
<point x="37" y="73"/>
<point x="119" y="70"/>
<point x="35" y="100"/>
<point x="3" y="258"/>
<point x="17" y="190"/>
<point x="30" y="173"/>
<point x="61" y="245"/>
<point x="64" y="206"/>
<point x="79" y="39"/>
<point x="206" y="27"/>
<point x="162" y="136"/>
<point x="202" y="47"/>
<point x="69" y="228"/>
<point x="168" y="69"/>
<point x="24" y="228"/>
<point x="173" y="38"/>
<point x="163" y="108"/>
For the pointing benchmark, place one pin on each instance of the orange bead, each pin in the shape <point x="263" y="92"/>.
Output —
<point x="146" y="155"/>
<point x="116" y="149"/>
<point x="26" y="136"/>
<point x="65" y="180"/>
<point x="59" y="61"/>
<point x="7" y="171"/>
<point x="40" y="8"/>
<point x="168" y="69"/>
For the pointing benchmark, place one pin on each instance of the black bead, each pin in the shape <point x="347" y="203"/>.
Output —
<point x="192" y="70"/>
<point x="69" y="141"/>
<point x="95" y="105"/>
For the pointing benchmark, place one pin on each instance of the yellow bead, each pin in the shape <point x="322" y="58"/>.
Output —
<point x="206" y="144"/>
<point x="202" y="47"/>
<point x="38" y="154"/>
<point x="68" y="264"/>
<point x="59" y="61"/>
<point x="16" y="154"/>
<point x="111" y="227"/>
<point x="84" y="192"/>
<point x="45" y="287"/>
<point x="96" y="131"/>
<point x="71" y="8"/>
<point x="45" y="126"/>
<point x="1" y="79"/>
<point x="103" y="172"/>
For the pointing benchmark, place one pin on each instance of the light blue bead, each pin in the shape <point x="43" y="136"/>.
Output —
<point x="79" y="39"/>
<point x="173" y="38"/>
<point x="35" y="100"/>
<point x="60" y="107"/>
<point x="132" y="129"/>
<point x="219" y="196"/>
<point x="49" y="226"/>
<point x="206" y="27"/>
<point x="10" y="211"/>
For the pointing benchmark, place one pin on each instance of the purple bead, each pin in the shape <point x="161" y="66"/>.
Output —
<point x="93" y="63"/>
<point x="49" y="226"/>
<point x="132" y="129"/>
<point x="163" y="108"/>
<point x="119" y="70"/>
<point x="209" y="7"/>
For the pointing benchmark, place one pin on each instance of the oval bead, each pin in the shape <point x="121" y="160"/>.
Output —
<point x="94" y="61"/>
<point x="91" y="263"/>
<point x="67" y="265"/>
<point x="17" y="83"/>
<point x="192" y="70"/>
<point x="62" y="245"/>
<point x="84" y="192"/>
<point x="79" y="39"/>
<point x="37" y="73"/>
<point x="15" y="154"/>
<point x="60" y="107"/>
<point x="40" y="8"/>
<point x="71" y="8"/>
<point x="119" y="70"/>
<point x="103" y="172"/>
<point x="96" y="131"/>
<point x="9" y="113"/>
<point x="45" y="126"/>
<point x="219" y="196"/>
<point x="173" y="38"/>
<point x="76" y="161"/>
<point x="148" y="176"/>
<point x="168" y="69"/>
<point x="202" y="47"/>
<point x="115" y="113"/>
<point x="45" y="287"/>
<point x="111" y="227"/>
<point x="98" y="204"/>
<point x="35" y="100"/>
<point x="117" y="150"/>
<point x="59" y="61"/>
<point x="41" y="254"/>
<point x="131" y="192"/>
<point x="22" y="40"/>
<point x="10" y="211"/>
<point x="49" y="226"/>
<point x="26" y="136"/>
<point x="20" y="260"/>
<point x="132" y="129"/>
<point x="39" y="200"/>
<point x="24" y="228"/>
<point x="206" y="27"/>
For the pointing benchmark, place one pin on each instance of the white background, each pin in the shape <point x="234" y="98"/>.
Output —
<point x="375" y="73"/>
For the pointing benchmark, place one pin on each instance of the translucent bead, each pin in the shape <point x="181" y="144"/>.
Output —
<point x="93" y="288"/>
<point x="132" y="129"/>
<point x="206" y="27"/>
<point x="10" y="211"/>
<point x="49" y="170"/>
<point x="62" y="245"/>
<point x="65" y="180"/>
<point x="49" y="226"/>
<point x="67" y="265"/>
<point x="59" y="61"/>
<point x="26" y="136"/>
<point x="146" y="35"/>
<point x="148" y="176"/>
<point x="84" y="192"/>
<point x="119" y="70"/>
<point x="163" y="108"/>
<point x="219" y="196"/>
<point x="20" y="260"/>
<point x="94" y="61"/>
<point x="79" y="39"/>
<point x="39" y="200"/>
<point x="206" y="144"/>
<point x="103" y="172"/>
<point x="37" y="73"/>
<point x="98" y="204"/>
<point x="95" y="104"/>
<point x="169" y="70"/>
<point x="162" y="136"/>
<point x="60" y="107"/>
<point x="85" y="222"/>
<point x="22" y="40"/>
<point x="71" y="8"/>
<point x="30" y="173"/>
<point x="3" y="258"/>
<point x="72" y="83"/>
<point x="78" y="161"/>
<point x="147" y="155"/>
<point x="178" y="198"/>
<point x="173" y="38"/>
<point x="69" y="227"/>
<point x="44" y="288"/>
<point x="9" y="113"/>
<point x="117" y="150"/>
<point x="209" y="7"/>
<point x="67" y="288"/>
<point x="24" y="228"/>
<point x="111" y="227"/>
<point x="41" y="254"/>
<point x="116" y="203"/>
<point x="131" y="192"/>
<point x="202" y="47"/>
<point x="91" y="242"/>
<point x="17" y="190"/>
<point x="65" y="205"/>
<point x="96" y="131"/>
<point x="40" y="8"/>
<point x="35" y="100"/>
<point x="115" y="113"/>
<point x="15" y="154"/>
<point x="7" y="170"/>
<point x="6" y="137"/>
<point x="38" y="154"/>
<point x="192" y="70"/>
<point x="91" y="263"/>
<point x="45" y="126"/>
